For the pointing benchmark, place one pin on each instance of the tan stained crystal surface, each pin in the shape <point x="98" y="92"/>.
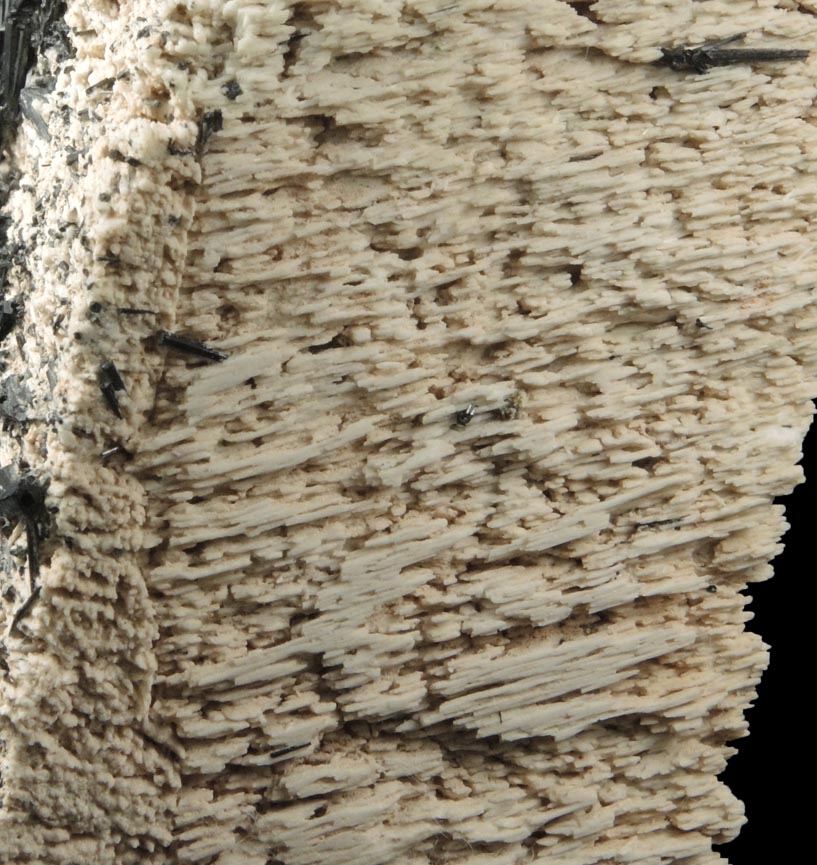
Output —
<point x="304" y="617"/>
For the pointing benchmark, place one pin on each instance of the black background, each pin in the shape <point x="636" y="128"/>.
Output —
<point x="771" y="773"/>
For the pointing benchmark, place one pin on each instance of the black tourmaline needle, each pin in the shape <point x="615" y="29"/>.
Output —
<point x="25" y="607"/>
<point x="109" y="383"/>
<point x="704" y="57"/>
<point x="189" y="346"/>
<point x="22" y="499"/>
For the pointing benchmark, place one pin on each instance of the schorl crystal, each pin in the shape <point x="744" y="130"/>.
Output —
<point x="25" y="25"/>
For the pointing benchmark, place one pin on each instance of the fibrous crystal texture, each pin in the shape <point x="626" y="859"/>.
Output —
<point x="444" y="562"/>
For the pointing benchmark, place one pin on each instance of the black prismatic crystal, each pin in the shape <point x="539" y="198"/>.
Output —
<point x="291" y="750"/>
<point x="710" y="54"/>
<point x="22" y="499"/>
<point x="187" y="345"/>
<point x="9" y="313"/>
<point x="24" y="609"/>
<point x="25" y="25"/>
<point x="232" y="89"/>
<point x="135" y="310"/>
<point x="212" y="121"/>
<point x="109" y="383"/>
<point x="465" y="415"/>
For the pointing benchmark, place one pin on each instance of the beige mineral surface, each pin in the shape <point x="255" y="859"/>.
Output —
<point x="297" y="614"/>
